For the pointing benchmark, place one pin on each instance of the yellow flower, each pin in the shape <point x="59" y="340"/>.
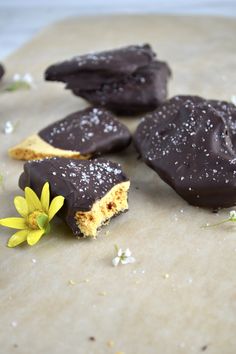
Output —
<point x="36" y="214"/>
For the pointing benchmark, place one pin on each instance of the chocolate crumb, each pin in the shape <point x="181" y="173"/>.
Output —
<point x="92" y="339"/>
<point x="204" y="347"/>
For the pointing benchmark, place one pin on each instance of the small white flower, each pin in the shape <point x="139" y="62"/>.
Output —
<point x="232" y="215"/>
<point x="27" y="78"/>
<point x="8" y="127"/>
<point x="16" y="77"/>
<point x="233" y="99"/>
<point x="123" y="257"/>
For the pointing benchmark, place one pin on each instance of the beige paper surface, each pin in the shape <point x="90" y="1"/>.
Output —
<point x="180" y="295"/>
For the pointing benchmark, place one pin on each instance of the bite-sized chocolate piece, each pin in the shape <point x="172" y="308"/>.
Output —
<point x="191" y="143"/>
<point x="128" y="80"/>
<point x="138" y="93"/>
<point x="82" y="134"/>
<point x="2" y="71"/>
<point x="105" y="66"/>
<point x="94" y="190"/>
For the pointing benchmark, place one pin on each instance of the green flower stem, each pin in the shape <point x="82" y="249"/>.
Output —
<point x="219" y="223"/>
<point x="18" y="85"/>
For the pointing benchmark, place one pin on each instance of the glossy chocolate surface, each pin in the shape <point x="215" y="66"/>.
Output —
<point x="128" y="80"/>
<point x="91" y="131"/>
<point x="81" y="182"/>
<point x="191" y="143"/>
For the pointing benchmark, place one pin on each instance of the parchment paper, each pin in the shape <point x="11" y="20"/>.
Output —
<point x="179" y="296"/>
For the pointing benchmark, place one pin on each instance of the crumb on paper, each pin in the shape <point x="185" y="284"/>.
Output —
<point x="176" y="217"/>
<point x="92" y="338"/>
<point x="107" y="233"/>
<point x="86" y="280"/>
<point x="33" y="260"/>
<point x="110" y="343"/>
<point x="204" y="347"/>
<point x="71" y="282"/>
<point x="139" y="271"/>
<point x="166" y="276"/>
<point x="190" y="280"/>
<point x="102" y="293"/>
<point x="14" y="324"/>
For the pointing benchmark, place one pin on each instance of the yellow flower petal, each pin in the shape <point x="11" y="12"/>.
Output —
<point x="14" y="223"/>
<point x="32" y="200"/>
<point x="34" y="236"/>
<point x="45" y="197"/>
<point x="55" y="206"/>
<point x="21" y="206"/>
<point x="17" y="238"/>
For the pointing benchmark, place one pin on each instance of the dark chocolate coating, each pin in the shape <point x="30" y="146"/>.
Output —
<point x="81" y="182"/>
<point x="191" y="143"/>
<point x="135" y="94"/>
<point x="105" y="66"/>
<point x="91" y="131"/>
<point x="128" y="80"/>
<point x="2" y="71"/>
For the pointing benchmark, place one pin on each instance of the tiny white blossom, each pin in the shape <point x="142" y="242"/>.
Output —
<point x="27" y="78"/>
<point x="8" y="127"/>
<point x="16" y="77"/>
<point x="123" y="257"/>
<point x="116" y="261"/>
<point x="232" y="215"/>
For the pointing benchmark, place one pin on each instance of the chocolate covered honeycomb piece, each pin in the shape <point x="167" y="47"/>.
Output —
<point x="94" y="190"/>
<point x="191" y="143"/>
<point x="128" y="80"/>
<point x="2" y="71"/>
<point x="81" y="135"/>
